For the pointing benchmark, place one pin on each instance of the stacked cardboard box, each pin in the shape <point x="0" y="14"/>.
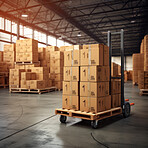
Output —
<point x="142" y="47"/>
<point x="116" y="92"/>
<point x="71" y="80"/>
<point x="128" y="75"/>
<point x="1" y="56"/>
<point x="143" y="79"/>
<point x="94" y="76"/>
<point x="27" y="50"/>
<point x="138" y="64"/>
<point x="145" y="53"/>
<point x="56" y="68"/>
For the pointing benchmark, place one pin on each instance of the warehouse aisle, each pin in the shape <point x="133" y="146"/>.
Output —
<point x="20" y="116"/>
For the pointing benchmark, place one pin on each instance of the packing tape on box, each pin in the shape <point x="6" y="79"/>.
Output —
<point x="89" y="55"/>
<point x="72" y="58"/>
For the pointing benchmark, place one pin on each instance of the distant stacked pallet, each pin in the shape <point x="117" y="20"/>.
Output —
<point x="28" y="76"/>
<point x="56" y="68"/>
<point x="138" y="64"/>
<point x="128" y="75"/>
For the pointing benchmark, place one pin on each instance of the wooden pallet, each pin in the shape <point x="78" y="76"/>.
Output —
<point x="143" y="92"/>
<point x="89" y="116"/>
<point x="38" y="91"/>
<point x="28" y="62"/>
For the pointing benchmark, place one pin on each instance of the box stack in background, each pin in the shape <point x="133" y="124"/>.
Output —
<point x="71" y="84"/>
<point x="94" y="78"/>
<point x="128" y="75"/>
<point x="27" y="50"/>
<point x="56" y="68"/>
<point x="27" y="73"/>
<point x="142" y="46"/>
<point x="143" y="79"/>
<point x="145" y="53"/>
<point x="138" y="64"/>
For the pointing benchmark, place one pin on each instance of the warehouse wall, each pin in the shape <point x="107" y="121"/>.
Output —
<point x="128" y="62"/>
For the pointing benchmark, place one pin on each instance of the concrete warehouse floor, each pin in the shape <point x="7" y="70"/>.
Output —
<point x="20" y="127"/>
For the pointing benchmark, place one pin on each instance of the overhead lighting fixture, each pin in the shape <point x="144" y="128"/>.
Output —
<point x="79" y="34"/>
<point x="133" y="21"/>
<point x="24" y="15"/>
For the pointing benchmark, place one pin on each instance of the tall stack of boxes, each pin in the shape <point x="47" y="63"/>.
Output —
<point x="71" y="84"/>
<point x="56" y="68"/>
<point x="86" y="80"/>
<point x="138" y="64"/>
<point x="143" y="73"/>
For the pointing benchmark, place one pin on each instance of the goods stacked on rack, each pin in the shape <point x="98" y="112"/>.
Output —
<point x="71" y="83"/>
<point x="143" y="79"/>
<point x="56" y="68"/>
<point x="138" y="64"/>
<point x="1" y="56"/>
<point x="27" y="73"/>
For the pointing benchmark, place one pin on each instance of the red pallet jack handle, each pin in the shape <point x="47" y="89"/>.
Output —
<point x="131" y="104"/>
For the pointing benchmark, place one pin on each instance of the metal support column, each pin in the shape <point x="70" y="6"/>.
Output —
<point x="33" y="33"/>
<point x="122" y="68"/>
<point x="46" y="40"/>
<point x="110" y="58"/>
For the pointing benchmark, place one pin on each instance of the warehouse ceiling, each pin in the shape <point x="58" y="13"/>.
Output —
<point x="91" y="19"/>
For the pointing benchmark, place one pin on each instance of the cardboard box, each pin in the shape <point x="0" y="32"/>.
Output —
<point x="23" y="84"/>
<point x="70" y="88"/>
<point x="71" y="73"/>
<point x="58" y="84"/>
<point x="93" y="89"/>
<point x="57" y="62"/>
<point x="114" y="69"/>
<point x="115" y="86"/>
<point x="41" y="53"/>
<point x="94" y="73"/>
<point x="35" y="84"/>
<point x="56" y="55"/>
<point x="58" y="70"/>
<point x="107" y="102"/>
<point x="28" y="76"/>
<point x="116" y="100"/>
<point x="72" y="58"/>
<point x="93" y="105"/>
<point x="52" y="48"/>
<point x="93" y="55"/>
<point x="9" y="47"/>
<point x="1" y="56"/>
<point x="70" y="102"/>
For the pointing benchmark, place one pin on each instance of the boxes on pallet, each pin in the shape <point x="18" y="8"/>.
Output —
<point x="143" y="79"/>
<point x="15" y="77"/>
<point x="26" y="50"/>
<point x="9" y="54"/>
<point x="41" y="53"/>
<point x="1" y="56"/>
<point x="58" y="84"/>
<point x="106" y="56"/>
<point x="52" y="48"/>
<point x="28" y="76"/>
<point x="116" y="100"/>
<point x="3" y="67"/>
<point x="70" y="102"/>
<point x="114" y="69"/>
<point x="92" y="55"/>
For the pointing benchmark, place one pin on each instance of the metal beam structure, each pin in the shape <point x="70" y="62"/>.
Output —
<point x="66" y="18"/>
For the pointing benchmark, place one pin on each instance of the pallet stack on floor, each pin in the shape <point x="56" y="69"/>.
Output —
<point x="27" y="73"/>
<point x="56" y="68"/>
<point x="143" y="74"/>
<point x="86" y="80"/>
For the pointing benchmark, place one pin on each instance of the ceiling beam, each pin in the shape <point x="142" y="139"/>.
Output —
<point x="68" y="18"/>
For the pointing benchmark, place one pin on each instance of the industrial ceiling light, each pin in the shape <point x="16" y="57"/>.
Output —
<point x="132" y="21"/>
<point x="79" y="34"/>
<point x="24" y="14"/>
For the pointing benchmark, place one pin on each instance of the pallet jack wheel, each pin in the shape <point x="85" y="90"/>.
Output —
<point x="63" y="119"/>
<point x="94" y="124"/>
<point x="127" y="110"/>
